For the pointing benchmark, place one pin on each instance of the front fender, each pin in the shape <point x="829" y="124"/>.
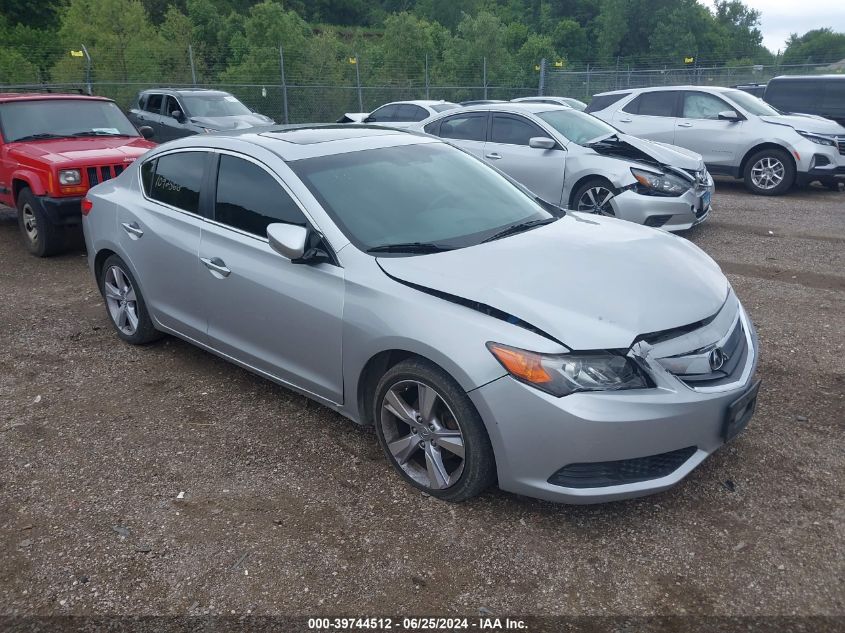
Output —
<point x="33" y="179"/>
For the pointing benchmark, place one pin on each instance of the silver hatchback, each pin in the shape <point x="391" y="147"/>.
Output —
<point x="485" y="334"/>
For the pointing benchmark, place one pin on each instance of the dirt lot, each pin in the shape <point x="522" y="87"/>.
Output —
<point x="164" y="480"/>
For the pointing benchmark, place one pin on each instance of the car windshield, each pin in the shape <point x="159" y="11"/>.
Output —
<point x="422" y="194"/>
<point x="750" y="103"/>
<point x="442" y="107"/>
<point x="214" y="105"/>
<point x="60" y="118"/>
<point x="576" y="126"/>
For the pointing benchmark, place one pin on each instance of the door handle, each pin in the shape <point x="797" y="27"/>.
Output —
<point x="133" y="229"/>
<point x="216" y="265"/>
<point x="625" y="120"/>
<point x="493" y="156"/>
<point x="684" y="124"/>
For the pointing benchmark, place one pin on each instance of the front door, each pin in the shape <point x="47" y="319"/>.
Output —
<point x="540" y="170"/>
<point x="700" y="129"/>
<point x="171" y="128"/>
<point x="281" y="318"/>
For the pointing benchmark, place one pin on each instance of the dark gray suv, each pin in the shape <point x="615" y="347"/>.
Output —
<point x="174" y="113"/>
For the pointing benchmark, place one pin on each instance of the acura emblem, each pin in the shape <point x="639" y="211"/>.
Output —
<point x="717" y="359"/>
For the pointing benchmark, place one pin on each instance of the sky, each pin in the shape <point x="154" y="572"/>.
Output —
<point x="780" y="18"/>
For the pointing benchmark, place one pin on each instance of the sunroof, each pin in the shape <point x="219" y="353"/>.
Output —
<point x="309" y="136"/>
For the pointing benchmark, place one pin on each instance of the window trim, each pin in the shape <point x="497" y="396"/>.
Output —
<point x="675" y="107"/>
<point x="479" y="114"/>
<point x="178" y="103"/>
<point x="519" y="117"/>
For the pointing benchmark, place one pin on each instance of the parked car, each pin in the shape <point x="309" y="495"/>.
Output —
<point x="399" y="113"/>
<point x="822" y="95"/>
<point x="753" y="89"/>
<point x="736" y="133"/>
<point x="563" y="101"/>
<point x="176" y="113"/>
<point x="571" y="159"/>
<point x="409" y="286"/>
<point x="54" y="147"/>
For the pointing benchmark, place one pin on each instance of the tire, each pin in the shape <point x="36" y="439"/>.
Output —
<point x="41" y="237"/>
<point x="452" y="415"/>
<point x="581" y="197"/>
<point x="765" y="167"/>
<point x="123" y="299"/>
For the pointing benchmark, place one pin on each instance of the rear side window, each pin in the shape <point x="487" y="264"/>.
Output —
<point x="600" y="102"/>
<point x="410" y="112"/>
<point x="659" y="103"/>
<point x="512" y="130"/>
<point x="154" y="103"/>
<point x="147" y="171"/>
<point x="465" y="127"/>
<point x="249" y="198"/>
<point x="433" y="128"/>
<point x="384" y="113"/>
<point x="177" y="180"/>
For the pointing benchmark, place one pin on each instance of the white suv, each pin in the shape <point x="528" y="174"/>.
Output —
<point x="736" y="133"/>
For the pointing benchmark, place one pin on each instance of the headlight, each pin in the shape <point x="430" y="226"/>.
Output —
<point x="818" y="140"/>
<point x="660" y="184"/>
<point x="69" y="177"/>
<point x="562" y="374"/>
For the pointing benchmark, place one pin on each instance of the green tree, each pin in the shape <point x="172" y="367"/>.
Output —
<point x="818" y="46"/>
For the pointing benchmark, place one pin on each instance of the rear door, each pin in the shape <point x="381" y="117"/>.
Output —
<point x="649" y="115"/>
<point x="281" y="318"/>
<point x="700" y="129"/>
<point x="540" y="170"/>
<point x="468" y="131"/>
<point x="159" y="232"/>
<point x="409" y="113"/>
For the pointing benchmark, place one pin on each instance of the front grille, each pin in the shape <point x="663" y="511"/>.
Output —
<point x="624" y="471"/>
<point x="96" y="175"/>
<point x="735" y="348"/>
<point x="657" y="220"/>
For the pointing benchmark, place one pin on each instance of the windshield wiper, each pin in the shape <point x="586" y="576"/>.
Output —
<point x="97" y="133"/>
<point x="519" y="228"/>
<point x="410" y="247"/>
<point x="38" y="137"/>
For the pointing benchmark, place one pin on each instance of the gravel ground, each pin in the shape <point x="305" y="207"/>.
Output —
<point x="163" y="480"/>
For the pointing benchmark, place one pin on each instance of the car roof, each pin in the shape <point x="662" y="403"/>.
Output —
<point x="509" y="106"/>
<point x="807" y="77"/>
<point x="295" y="142"/>
<point x="186" y="91"/>
<point x="420" y="102"/>
<point x="664" y="89"/>
<point x="39" y="96"/>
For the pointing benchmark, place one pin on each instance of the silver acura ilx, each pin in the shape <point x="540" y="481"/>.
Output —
<point x="486" y="334"/>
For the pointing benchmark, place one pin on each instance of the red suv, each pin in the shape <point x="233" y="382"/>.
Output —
<point x="53" y="148"/>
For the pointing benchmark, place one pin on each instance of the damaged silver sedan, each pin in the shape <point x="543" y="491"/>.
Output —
<point x="574" y="160"/>
<point x="486" y="335"/>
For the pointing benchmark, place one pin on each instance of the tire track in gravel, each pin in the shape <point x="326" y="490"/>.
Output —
<point x="773" y="273"/>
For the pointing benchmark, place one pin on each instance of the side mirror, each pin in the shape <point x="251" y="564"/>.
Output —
<point x="288" y="240"/>
<point x="729" y="115"/>
<point x="146" y="131"/>
<point x="177" y="114"/>
<point x="541" y="142"/>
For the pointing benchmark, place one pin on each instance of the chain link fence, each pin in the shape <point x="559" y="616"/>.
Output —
<point x="290" y="88"/>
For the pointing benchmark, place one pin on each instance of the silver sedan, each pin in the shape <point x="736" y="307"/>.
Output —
<point x="485" y="334"/>
<point x="574" y="160"/>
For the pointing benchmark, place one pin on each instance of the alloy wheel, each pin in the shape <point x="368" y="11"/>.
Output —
<point x="121" y="300"/>
<point x="422" y="434"/>
<point x="596" y="200"/>
<point x="767" y="173"/>
<point x="30" y="225"/>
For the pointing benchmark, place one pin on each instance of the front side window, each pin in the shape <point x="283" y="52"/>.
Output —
<point x="513" y="130"/>
<point x="62" y="118"/>
<point x="700" y="105"/>
<point x="659" y="103"/>
<point x="249" y="198"/>
<point x="427" y="193"/>
<point x="177" y="180"/>
<point x="171" y="105"/>
<point x="465" y="127"/>
<point x="576" y="126"/>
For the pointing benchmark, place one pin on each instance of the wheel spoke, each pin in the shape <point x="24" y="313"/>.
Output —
<point x="133" y="317"/>
<point x="121" y="317"/>
<point x="451" y="441"/>
<point x="404" y="447"/>
<point x="607" y="199"/>
<point x="438" y="477"/>
<point x="427" y="400"/>
<point x="591" y="196"/>
<point x="130" y="295"/>
<point x="398" y="407"/>
<point x="111" y="291"/>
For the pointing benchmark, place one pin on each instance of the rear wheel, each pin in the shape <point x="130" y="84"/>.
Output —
<point x="595" y="196"/>
<point x="42" y="237"/>
<point x="431" y="432"/>
<point x="125" y="304"/>
<point x="769" y="172"/>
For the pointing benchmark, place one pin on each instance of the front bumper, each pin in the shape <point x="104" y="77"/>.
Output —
<point x="668" y="213"/>
<point x="62" y="211"/>
<point x="820" y="162"/>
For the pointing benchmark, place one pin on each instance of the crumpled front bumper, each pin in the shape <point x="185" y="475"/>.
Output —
<point x="668" y="213"/>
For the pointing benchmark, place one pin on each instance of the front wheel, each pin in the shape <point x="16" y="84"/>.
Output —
<point x="769" y="172"/>
<point x="431" y="432"/>
<point x="595" y="196"/>
<point x="42" y="237"/>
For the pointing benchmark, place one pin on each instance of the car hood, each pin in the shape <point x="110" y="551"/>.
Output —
<point x="807" y="123"/>
<point x="239" y="122"/>
<point x="86" y="150"/>
<point x="665" y="153"/>
<point x="589" y="282"/>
